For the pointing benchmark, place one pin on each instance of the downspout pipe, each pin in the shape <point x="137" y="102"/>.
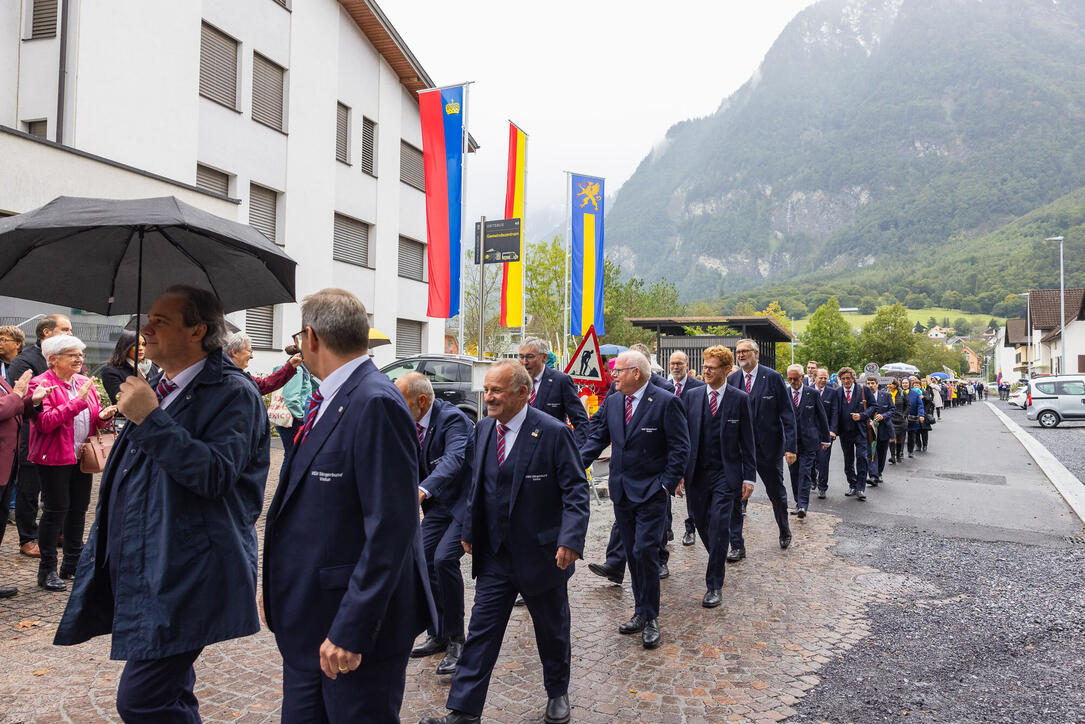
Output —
<point x="62" y="72"/>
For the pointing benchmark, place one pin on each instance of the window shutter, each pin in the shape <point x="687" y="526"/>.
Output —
<point x="267" y="92"/>
<point x="411" y="257"/>
<point x="218" y="66"/>
<point x="408" y="338"/>
<point x="37" y="128"/>
<point x="350" y="241"/>
<point x="44" y="21"/>
<point x="342" y="133"/>
<point x="210" y="179"/>
<point x="263" y="203"/>
<point x="260" y="326"/>
<point x="411" y="171"/>
<point x="369" y="146"/>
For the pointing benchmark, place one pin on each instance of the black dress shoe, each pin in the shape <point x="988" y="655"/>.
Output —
<point x="670" y="535"/>
<point x="794" y="511"/>
<point x="67" y="572"/>
<point x="8" y="591"/>
<point x="821" y="495"/>
<point x="872" y="482"/>
<point x="519" y="601"/>
<point x="452" y="717"/>
<point x="51" y="582"/>
<point x="736" y="555"/>
<point x="861" y="496"/>
<point x="785" y="541"/>
<point x="689" y="539"/>
<point x="664" y="572"/>
<point x="633" y="625"/>
<point x="801" y="512"/>
<point x="602" y="569"/>
<point x="432" y="645"/>
<point x="712" y="599"/>
<point x="452" y="657"/>
<point x="650" y="636"/>
<point x="557" y="710"/>
<point x="851" y="492"/>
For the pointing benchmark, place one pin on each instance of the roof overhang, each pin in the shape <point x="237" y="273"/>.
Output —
<point x="768" y="328"/>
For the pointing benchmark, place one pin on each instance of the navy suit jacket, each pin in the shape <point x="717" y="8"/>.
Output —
<point x="648" y="454"/>
<point x="736" y="433"/>
<point x="830" y="400"/>
<point x="812" y="425"/>
<point x="773" y="413"/>
<point x="342" y="545"/>
<point x="444" y="464"/>
<point x="690" y="383"/>
<point x="854" y="428"/>
<point x="557" y="397"/>
<point x="883" y="405"/>
<point x="656" y="380"/>
<point x="549" y="503"/>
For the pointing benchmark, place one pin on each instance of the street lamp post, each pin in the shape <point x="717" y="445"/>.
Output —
<point x="1028" y="332"/>
<point x="1062" y="306"/>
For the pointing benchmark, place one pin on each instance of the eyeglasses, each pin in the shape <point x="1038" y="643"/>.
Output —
<point x="743" y="351"/>
<point x="707" y="367"/>
<point x="527" y="356"/>
<point x="618" y="370"/>
<point x="297" y="336"/>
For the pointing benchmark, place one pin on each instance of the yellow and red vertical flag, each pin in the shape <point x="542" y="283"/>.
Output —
<point x="512" y="283"/>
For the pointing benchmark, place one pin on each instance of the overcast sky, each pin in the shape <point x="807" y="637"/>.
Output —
<point x="594" y="84"/>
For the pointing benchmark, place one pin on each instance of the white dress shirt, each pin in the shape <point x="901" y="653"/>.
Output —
<point x="752" y="376"/>
<point x="181" y="380"/>
<point x="636" y="400"/>
<point x="512" y="430"/>
<point x="335" y="380"/>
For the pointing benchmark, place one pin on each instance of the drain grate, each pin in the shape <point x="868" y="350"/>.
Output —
<point x="1076" y="540"/>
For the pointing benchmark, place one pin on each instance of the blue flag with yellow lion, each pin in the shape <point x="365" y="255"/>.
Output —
<point x="587" y="269"/>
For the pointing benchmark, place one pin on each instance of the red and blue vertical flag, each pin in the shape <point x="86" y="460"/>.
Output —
<point x="586" y="307"/>
<point x="442" y="159"/>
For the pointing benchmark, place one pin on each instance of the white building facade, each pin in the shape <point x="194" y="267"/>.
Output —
<point x="299" y="117"/>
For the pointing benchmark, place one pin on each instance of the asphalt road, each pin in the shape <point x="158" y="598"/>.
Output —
<point x="1066" y="442"/>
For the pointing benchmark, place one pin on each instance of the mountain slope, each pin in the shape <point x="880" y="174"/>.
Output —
<point x="874" y="128"/>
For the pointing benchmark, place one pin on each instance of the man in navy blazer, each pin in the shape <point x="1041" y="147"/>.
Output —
<point x="811" y="434"/>
<point x="345" y="584"/>
<point x="883" y="415"/>
<point x="857" y="406"/>
<point x="526" y="519"/>
<point x="830" y="401"/>
<point x="446" y="447"/>
<point x="645" y="426"/>
<point x="682" y="381"/>
<point x="722" y="461"/>
<point x="553" y="392"/>
<point x="774" y="428"/>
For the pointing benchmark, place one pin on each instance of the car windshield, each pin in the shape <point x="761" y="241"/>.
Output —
<point x="397" y="371"/>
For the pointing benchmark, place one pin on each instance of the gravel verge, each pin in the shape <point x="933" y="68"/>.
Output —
<point x="970" y="631"/>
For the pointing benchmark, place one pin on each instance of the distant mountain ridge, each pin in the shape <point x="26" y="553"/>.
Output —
<point x="874" y="130"/>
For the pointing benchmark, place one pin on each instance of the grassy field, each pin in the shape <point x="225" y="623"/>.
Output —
<point x="857" y="320"/>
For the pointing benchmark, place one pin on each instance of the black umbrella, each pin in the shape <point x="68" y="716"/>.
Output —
<point x="109" y="255"/>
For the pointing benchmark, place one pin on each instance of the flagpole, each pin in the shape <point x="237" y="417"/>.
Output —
<point x="463" y="206"/>
<point x="568" y="238"/>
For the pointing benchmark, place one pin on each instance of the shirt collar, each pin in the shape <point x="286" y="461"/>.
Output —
<point x="538" y="377"/>
<point x="751" y="373"/>
<point x="424" y="422"/>
<point x="517" y="420"/>
<point x="335" y="380"/>
<point x="640" y="393"/>
<point x="187" y="374"/>
<point x="709" y="388"/>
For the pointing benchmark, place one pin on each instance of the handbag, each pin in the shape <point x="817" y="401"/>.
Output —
<point x="95" y="451"/>
<point x="277" y="412"/>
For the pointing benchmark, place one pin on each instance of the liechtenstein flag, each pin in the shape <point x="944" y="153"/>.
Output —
<point x="442" y="159"/>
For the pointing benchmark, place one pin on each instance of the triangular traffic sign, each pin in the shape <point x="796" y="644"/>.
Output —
<point x="586" y="364"/>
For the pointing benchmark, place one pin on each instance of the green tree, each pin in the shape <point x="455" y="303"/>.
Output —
<point x="992" y="323"/>
<point x="632" y="297"/>
<point x="783" y="349"/>
<point x="868" y="305"/>
<point x="952" y="299"/>
<point x="917" y="301"/>
<point x="545" y="290"/>
<point x="930" y="355"/>
<point x="828" y="338"/>
<point x="961" y="327"/>
<point x="888" y="337"/>
<point x="945" y="321"/>
<point x="931" y="322"/>
<point x="918" y="328"/>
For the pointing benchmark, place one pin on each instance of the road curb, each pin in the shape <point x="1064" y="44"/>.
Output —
<point x="1069" y="487"/>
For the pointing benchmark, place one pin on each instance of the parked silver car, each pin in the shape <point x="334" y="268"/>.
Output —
<point x="1054" y="399"/>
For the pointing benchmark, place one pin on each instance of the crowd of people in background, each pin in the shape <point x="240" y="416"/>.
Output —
<point x="510" y="490"/>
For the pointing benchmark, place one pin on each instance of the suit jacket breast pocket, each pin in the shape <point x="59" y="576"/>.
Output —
<point x="328" y="467"/>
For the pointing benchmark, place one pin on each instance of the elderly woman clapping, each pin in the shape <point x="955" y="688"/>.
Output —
<point x="239" y="349"/>
<point x="70" y="413"/>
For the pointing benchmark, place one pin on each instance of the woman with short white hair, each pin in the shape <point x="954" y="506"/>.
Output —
<point x="70" y="413"/>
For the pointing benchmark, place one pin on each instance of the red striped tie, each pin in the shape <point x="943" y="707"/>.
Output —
<point x="531" y="398"/>
<point x="713" y="401"/>
<point x="796" y="396"/>
<point x="628" y="408"/>
<point x="501" y="444"/>
<point x="677" y="389"/>
<point x="421" y="434"/>
<point x="310" y="417"/>
<point x="165" y="387"/>
<point x="749" y="383"/>
<point x="847" y="393"/>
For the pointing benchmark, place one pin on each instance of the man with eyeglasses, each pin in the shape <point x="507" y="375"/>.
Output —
<point x="28" y="486"/>
<point x="11" y="342"/>
<point x="553" y="392"/>
<point x="645" y="426"/>
<point x="774" y="429"/>
<point x="683" y="380"/>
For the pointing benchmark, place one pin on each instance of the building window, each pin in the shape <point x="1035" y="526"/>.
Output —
<point x="408" y="338"/>
<point x="218" y="66"/>
<point x="260" y="326"/>
<point x="369" y="147"/>
<point x="213" y="180"/>
<point x="263" y="207"/>
<point x="350" y="241"/>
<point x="43" y="22"/>
<point x="37" y="128"/>
<point x="411" y="171"/>
<point x="267" y="92"/>
<point x="411" y="257"/>
<point x="342" y="133"/>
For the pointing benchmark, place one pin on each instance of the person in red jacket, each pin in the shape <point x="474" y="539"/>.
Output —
<point x="70" y="413"/>
<point x="239" y="349"/>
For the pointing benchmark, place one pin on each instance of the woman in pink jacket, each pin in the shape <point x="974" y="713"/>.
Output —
<point x="70" y="413"/>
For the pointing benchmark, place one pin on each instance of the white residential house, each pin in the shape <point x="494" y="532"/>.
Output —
<point x="299" y="117"/>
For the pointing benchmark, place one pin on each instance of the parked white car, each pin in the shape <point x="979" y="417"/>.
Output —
<point x="1019" y="397"/>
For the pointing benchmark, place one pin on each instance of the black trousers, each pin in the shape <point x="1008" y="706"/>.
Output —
<point x="616" y="558"/>
<point x="27" y="492"/>
<point x="914" y="440"/>
<point x="159" y="691"/>
<point x="641" y="526"/>
<point x="881" y="453"/>
<point x="65" y="497"/>
<point x="772" y="476"/>
<point x="712" y="501"/>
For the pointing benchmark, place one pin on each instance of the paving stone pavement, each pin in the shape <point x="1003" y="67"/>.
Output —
<point x="785" y="614"/>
